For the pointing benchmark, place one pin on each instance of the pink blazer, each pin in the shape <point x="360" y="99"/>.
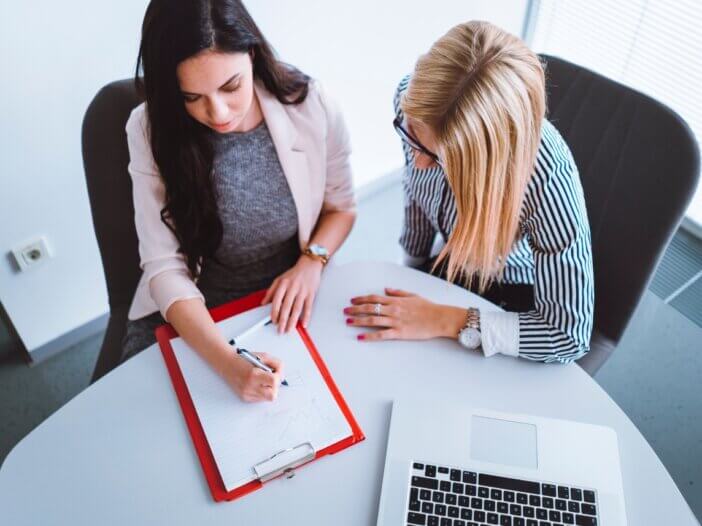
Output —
<point x="312" y="143"/>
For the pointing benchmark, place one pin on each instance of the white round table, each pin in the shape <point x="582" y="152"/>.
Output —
<point x="119" y="453"/>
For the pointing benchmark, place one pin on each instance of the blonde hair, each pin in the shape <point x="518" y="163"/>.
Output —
<point x="481" y="92"/>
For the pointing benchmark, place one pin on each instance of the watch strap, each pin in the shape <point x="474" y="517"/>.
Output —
<point x="472" y="319"/>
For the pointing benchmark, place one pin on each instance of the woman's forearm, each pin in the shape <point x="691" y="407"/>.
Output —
<point x="332" y="229"/>
<point x="194" y="324"/>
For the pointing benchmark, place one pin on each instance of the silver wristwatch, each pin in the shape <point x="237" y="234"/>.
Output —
<point x="469" y="335"/>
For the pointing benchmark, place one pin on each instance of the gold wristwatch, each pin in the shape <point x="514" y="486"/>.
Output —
<point x="317" y="252"/>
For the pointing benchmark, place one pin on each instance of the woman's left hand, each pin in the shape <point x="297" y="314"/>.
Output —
<point x="403" y="316"/>
<point x="292" y="294"/>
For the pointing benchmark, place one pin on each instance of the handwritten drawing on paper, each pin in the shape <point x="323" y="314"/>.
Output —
<point x="243" y="434"/>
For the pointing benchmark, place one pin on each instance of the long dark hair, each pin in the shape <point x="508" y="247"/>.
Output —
<point x="174" y="30"/>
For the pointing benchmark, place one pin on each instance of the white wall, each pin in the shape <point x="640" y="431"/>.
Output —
<point x="54" y="56"/>
<point x="361" y="49"/>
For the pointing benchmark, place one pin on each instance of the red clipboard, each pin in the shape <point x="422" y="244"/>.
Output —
<point x="165" y="333"/>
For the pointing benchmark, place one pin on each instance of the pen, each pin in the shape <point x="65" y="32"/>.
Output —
<point x="254" y="360"/>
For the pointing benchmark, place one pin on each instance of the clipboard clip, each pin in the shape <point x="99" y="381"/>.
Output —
<point x="284" y="462"/>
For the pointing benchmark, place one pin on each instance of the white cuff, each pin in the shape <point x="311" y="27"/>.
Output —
<point x="499" y="332"/>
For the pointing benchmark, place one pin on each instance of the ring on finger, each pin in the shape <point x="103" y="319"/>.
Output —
<point x="376" y="309"/>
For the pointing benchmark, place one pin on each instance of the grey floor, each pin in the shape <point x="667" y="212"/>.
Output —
<point x="654" y="375"/>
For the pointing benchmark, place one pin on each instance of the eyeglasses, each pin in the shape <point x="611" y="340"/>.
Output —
<point x="412" y="142"/>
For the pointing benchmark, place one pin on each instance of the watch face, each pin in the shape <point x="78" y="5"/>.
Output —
<point x="318" y="250"/>
<point x="469" y="338"/>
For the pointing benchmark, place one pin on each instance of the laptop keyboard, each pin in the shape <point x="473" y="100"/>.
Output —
<point x="448" y="496"/>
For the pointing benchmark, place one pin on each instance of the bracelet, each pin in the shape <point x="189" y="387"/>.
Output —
<point x="318" y="257"/>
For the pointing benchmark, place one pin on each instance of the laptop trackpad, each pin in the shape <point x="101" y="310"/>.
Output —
<point x="503" y="442"/>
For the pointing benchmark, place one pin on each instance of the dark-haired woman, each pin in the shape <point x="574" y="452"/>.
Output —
<point x="241" y="177"/>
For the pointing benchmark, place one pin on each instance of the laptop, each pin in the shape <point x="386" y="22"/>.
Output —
<point x="462" y="466"/>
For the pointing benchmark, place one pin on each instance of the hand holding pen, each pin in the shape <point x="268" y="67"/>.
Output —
<point x="264" y="366"/>
<point x="261" y="375"/>
<point x="256" y="361"/>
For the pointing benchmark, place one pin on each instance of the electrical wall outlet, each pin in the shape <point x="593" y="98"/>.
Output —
<point x="31" y="253"/>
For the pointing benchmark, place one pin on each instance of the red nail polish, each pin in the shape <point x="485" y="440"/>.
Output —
<point x="361" y="336"/>
<point x="347" y="310"/>
<point x="349" y="321"/>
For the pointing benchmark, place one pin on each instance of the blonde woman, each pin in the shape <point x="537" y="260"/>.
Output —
<point x="488" y="173"/>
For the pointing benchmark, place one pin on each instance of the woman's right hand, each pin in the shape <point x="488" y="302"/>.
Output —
<point x="250" y="383"/>
<point x="195" y="325"/>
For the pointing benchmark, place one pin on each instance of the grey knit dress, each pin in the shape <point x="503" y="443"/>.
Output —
<point x="260" y="227"/>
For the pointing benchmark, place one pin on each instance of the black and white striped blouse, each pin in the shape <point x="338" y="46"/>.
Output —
<point x="554" y="253"/>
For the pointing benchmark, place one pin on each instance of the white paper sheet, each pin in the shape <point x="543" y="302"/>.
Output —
<point x="243" y="434"/>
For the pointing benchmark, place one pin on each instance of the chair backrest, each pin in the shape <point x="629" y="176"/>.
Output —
<point x="639" y="166"/>
<point x="105" y="159"/>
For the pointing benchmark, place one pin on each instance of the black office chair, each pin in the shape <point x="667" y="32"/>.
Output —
<point x="105" y="158"/>
<point x="639" y="166"/>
